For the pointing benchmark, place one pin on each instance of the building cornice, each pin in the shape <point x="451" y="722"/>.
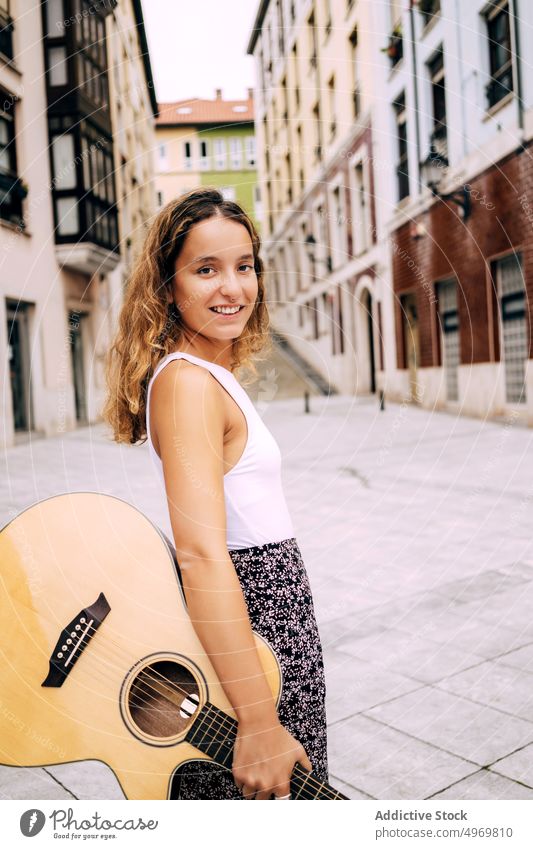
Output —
<point x="258" y="23"/>
<point x="145" y="53"/>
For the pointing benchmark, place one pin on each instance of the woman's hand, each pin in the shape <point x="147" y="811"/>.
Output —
<point x="263" y="759"/>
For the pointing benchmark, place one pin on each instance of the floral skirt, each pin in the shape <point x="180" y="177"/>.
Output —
<point x="278" y="596"/>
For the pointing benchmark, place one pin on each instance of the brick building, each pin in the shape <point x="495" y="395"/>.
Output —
<point x="471" y="323"/>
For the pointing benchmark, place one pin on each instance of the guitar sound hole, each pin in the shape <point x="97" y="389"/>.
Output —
<point x="157" y="695"/>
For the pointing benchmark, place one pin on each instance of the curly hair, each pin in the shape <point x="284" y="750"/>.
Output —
<point x="149" y="327"/>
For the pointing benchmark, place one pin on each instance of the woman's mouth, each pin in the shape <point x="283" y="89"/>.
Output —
<point x="227" y="312"/>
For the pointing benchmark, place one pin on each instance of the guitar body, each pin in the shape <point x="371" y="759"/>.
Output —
<point x="98" y="658"/>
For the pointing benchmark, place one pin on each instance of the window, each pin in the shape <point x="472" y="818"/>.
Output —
<point x="281" y="33"/>
<point x="337" y="333"/>
<point x="6" y="30"/>
<point x="428" y="8"/>
<point x="438" y="101"/>
<point x="220" y="154"/>
<point x="7" y="135"/>
<point x="327" y="17"/>
<point x="394" y="49"/>
<point x="314" y="308"/>
<point x="12" y="191"/>
<point x="299" y="149"/>
<point x="320" y="250"/>
<point x="449" y="327"/>
<point x="500" y="54"/>
<point x="204" y="158"/>
<point x="187" y="156"/>
<point x="285" y="99"/>
<point x="514" y="325"/>
<point x="318" y="144"/>
<point x="361" y="210"/>
<point x="250" y="151"/>
<point x="63" y="161"/>
<point x="331" y="95"/>
<point x="160" y="198"/>
<point x="402" y="169"/>
<point x="55" y="19"/>
<point x="311" y="29"/>
<point x="57" y="66"/>
<point x="258" y="204"/>
<point x="338" y="231"/>
<point x="296" y="76"/>
<point x="288" y="173"/>
<point x="235" y="146"/>
<point x="355" y="73"/>
<point x="163" y="157"/>
<point x="68" y="222"/>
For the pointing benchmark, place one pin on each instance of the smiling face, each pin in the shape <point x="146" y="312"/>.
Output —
<point x="215" y="269"/>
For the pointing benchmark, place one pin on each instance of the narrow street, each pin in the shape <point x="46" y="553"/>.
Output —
<point x="416" y="531"/>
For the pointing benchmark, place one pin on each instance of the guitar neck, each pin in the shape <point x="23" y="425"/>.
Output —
<point x="214" y="733"/>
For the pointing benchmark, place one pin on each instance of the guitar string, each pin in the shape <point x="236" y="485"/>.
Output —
<point x="225" y="725"/>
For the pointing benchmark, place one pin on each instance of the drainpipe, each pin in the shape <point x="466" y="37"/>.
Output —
<point x="461" y="67"/>
<point x="516" y="39"/>
<point x="415" y="90"/>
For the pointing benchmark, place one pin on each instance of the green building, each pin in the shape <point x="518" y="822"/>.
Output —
<point x="208" y="142"/>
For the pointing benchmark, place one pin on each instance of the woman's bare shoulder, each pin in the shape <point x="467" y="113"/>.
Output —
<point x="190" y="389"/>
<point x="181" y="378"/>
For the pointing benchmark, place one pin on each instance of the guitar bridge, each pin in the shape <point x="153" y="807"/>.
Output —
<point x="74" y="638"/>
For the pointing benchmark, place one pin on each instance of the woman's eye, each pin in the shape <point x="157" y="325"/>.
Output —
<point x="210" y="268"/>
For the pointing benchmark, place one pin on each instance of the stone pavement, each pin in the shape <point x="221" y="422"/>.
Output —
<point x="416" y="531"/>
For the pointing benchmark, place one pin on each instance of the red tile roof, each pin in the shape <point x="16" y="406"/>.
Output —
<point x="197" y="110"/>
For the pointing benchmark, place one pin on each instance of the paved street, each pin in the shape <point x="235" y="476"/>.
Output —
<point x="416" y="531"/>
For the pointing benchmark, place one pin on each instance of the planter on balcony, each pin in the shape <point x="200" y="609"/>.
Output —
<point x="394" y="48"/>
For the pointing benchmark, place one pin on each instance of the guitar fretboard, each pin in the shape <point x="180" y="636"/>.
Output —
<point x="214" y="733"/>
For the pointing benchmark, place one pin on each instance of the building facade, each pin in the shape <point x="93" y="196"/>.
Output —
<point x="208" y="142"/>
<point x="60" y="207"/>
<point x="393" y="158"/>
<point x="321" y="181"/>
<point x="461" y="96"/>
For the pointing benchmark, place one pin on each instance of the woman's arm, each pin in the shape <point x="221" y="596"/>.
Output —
<point x="188" y="415"/>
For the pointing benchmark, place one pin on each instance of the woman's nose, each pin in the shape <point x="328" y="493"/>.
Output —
<point x="231" y="286"/>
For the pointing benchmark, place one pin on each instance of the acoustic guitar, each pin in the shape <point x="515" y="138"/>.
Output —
<point x="98" y="657"/>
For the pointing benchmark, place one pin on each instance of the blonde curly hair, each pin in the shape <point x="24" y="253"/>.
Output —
<point x="149" y="327"/>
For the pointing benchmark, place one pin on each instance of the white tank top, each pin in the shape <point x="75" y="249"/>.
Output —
<point x="256" y="510"/>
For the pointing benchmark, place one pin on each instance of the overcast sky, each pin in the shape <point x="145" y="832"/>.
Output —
<point x="197" y="46"/>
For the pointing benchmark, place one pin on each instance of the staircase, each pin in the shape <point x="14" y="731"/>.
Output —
<point x="309" y="374"/>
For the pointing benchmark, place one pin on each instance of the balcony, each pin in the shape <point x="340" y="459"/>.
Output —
<point x="394" y="48"/>
<point x="87" y="235"/>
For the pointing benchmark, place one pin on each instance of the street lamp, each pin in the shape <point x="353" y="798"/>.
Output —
<point x="310" y="244"/>
<point x="431" y="172"/>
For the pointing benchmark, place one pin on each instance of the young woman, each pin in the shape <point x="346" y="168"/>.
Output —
<point x="193" y="312"/>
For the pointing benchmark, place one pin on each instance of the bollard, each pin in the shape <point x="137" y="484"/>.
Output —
<point x="306" y="402"/>
<point x="381" y="399"/>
